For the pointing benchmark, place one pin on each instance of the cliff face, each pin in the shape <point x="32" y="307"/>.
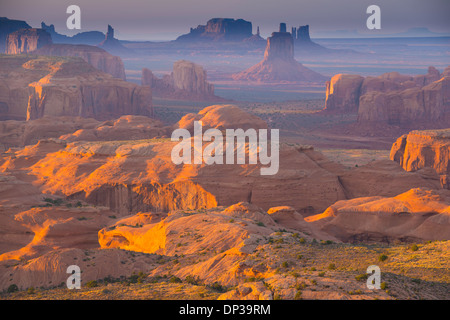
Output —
<point x="392" y="98"/>
<point x="8" y="26"/>
<point x="279" y="63"/>
<point x="26" y="40"/>
<point x="31" y="88"/>
<point x="427" y="148"/>
<point x="220" y="29"/>
<point x="95" y="56"/>
<point x="187" y="81"/>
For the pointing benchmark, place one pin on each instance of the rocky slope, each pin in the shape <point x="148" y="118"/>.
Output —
<point x="279" y="64"/>
<point x="121" y="206"/>
<point x="416" y="215"/>
<point x="187" y="81"/>
<point x="95" y="56"/>
<point x="32" y="87"/>
<point x="26" y="40"/>
<point x="392" y="98"/>
<point x="426" y="148"/>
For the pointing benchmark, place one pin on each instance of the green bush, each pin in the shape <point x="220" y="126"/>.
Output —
<point x="31" y="290"/>
<point x="298" y="295"/>
<point x="383" y="285"/>
<point x="331" y="266"/>
<point x="302" y="240"/>
<point x="285" y="264"/>
<point x="92" y="284"/>
<point x="361" y="277"/>
<point x="194" y="280"/>
<point x="321" y="274"/>
<point x="175" y="279"/>
<point x="382" y="257"/>
<point x="414" y="247"/>
<point x="13" y="288"/>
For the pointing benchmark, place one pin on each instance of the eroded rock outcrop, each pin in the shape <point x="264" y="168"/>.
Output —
<point x="112" y="44"/>
<point x="26" y="40"/>
<point x="421" y="149"/>
<point x="32" y="87"/>
<point x="187" y="81"/>
<point x="392" y="98"/>
<point x="418" y="214"/>
<point x="279" y="63"/>
<point x="95" y="56"/>
<point x="8" y="26"/>
<point x="220" y="29"/>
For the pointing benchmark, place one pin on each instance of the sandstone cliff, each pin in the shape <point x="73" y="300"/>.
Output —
<point x="32" y="87"/>
<point x="427" y="148"/>
<point x="26" y="40"/>
<point x="279" y="64"/>
<point x="392" y="98"/>
<point x="8" y="26"/>
<point x="187" y="81"/>
<point x="95" y="56"/>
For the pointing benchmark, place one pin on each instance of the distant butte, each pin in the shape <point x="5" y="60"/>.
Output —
<point x="279" y="63"/>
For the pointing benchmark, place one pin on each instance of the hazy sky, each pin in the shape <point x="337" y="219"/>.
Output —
<point x="154" y="19"/>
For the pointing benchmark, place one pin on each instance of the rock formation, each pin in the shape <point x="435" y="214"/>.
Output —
<point x="392" y="98"/>
<point x="427" y="148"/>
<point x="26" y="40"/>
<point x="87" y="37"/>
<point x="187" y="81"/>
<point x="112" y="44"/>
<point x="32" y="87"/>
<point x="279" y="63"/>
<point x="8" y="26"/>
<point x="220" y="29"/>
<point x="93" y="55"/>
<point x="418" y="214"/>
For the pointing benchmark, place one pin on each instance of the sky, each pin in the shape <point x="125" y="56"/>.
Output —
<point x="167" y="19"/>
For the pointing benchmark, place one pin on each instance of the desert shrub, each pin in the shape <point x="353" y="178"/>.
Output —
<point x="414" y="247"/>
<point x="298" y="295"/>
<point x="261" y="224"/>
<point x="31" y="290"/>
<point x="217" y="287"/>
<point x="321" y="274"/>
<point x="331" y="266"/>
<point x="92" y="284"/>
<point x="302" y="240"/>
<point x="13" y="288"/>
<point x="194" y="280"/>
<point x="382" y="257"/>
<point x="285" y="264"/>
<point x="383" y="285"/>
<point x="361" y="277"/>
<point x="175" y="279"/>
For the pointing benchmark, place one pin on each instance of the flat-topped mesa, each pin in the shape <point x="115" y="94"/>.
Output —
<point x="32" y="87"/>
<point x="220" y="29"/>
<point x="392" y="98"/>
<point x="8" y="26"/>
<point x="187" y="81"/>
<point x="26" y="40"/>
<point x="97" y="57"/>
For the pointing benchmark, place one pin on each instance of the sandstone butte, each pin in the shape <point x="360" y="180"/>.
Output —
<point x="392" y="98"/>
<point x="35" y="86"/>
<point x="279" y="64"/>
<point x="38" y="41"/>
<point x="187" y="81"/>
<point x="121" y="206"/>
<point x="424" y="148"/>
